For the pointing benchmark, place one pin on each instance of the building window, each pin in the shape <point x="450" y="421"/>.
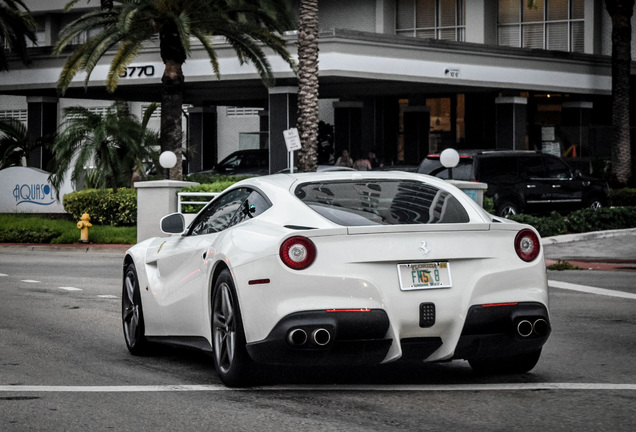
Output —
<point x="431" y="19"/>
<point x="545" y="24"/>
<point x="20" y="115"/>
<point x="242" y="111"/>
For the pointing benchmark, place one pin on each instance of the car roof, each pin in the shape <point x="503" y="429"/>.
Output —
<point x="288" y="181"/>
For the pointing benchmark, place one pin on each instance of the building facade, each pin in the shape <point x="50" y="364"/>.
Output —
<point x="400" y="78"/>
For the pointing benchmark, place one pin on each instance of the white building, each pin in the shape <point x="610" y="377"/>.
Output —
<point x="398" y="77"/>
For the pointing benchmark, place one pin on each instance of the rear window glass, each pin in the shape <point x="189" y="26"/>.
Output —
<point x="381" y="202"/>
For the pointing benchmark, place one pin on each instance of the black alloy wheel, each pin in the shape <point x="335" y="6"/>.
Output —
<point x="231" y="359"/>
<point x="132" y="315"/>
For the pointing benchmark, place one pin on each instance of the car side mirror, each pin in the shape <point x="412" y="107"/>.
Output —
<point x="173" y="223"/>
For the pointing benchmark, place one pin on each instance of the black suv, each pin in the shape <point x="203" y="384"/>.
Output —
<point x="525" y="181"/>
<point x="243" y="162"/>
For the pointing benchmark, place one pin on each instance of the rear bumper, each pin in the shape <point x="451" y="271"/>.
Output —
<point x="325" y="338"/>
<point x="493" y="331"/>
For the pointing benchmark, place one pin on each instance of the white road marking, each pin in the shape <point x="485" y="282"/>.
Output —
<point x="70" y="289"/>
<point x="591" y="290"/>
<point x="2" y="274"/>
<point x="108" y="296"/>
<point x="328" y="388"/>
<point x="30" y="281"/>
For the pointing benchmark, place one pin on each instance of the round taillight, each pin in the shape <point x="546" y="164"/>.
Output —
<point x="298" y="253"/>
<point x="527" y="244"/>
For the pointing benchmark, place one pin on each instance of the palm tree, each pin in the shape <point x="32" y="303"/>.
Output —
<point x="621" y="12"/>
<point x="16" y="26"/>
<point x="247" y="25"/>
<point x="116" y="144"/>
<point x="308" y="85"/>
<point x="14" y="143"/>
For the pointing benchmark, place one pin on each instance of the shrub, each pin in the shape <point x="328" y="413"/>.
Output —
<point x="27" y="235"/>
<point x="104" y="206"/>
<point x="548" y="226"/>
<point x="219" y="184"/>
<point x="625" y="197"/>
<point x="579" y="221"/>
<point x="602" y="219"/>
<point x="489" y="204"/>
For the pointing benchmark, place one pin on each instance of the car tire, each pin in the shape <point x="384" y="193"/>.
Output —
<point x="517" y="364"/>
<point x="594" y="203"/>
<point x="506" y="209"/>
<point x="231" y="359"/>
<point x="132" y="315"/>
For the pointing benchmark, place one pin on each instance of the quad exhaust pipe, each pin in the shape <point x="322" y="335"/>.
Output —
<point x="298" y="337"/>
<point x="321" y="336"/>
<point x="527" y="328"/>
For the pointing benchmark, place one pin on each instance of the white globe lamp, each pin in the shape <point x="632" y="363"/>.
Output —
<point x="168" y="159"/>
<point x="449" y="158"/>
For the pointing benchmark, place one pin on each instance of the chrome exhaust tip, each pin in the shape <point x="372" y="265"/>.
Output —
<point x="540" y="327"/>
<point x="297" y="337"/>
<point x="321" y="336"/>
<point x="524" y="328"/>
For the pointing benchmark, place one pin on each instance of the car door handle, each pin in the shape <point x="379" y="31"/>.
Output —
<point x="556" y="186"/>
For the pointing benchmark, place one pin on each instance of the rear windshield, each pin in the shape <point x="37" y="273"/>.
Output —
<point x="381" y="202"/>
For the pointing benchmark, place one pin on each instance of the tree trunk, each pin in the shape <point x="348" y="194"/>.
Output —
<point x="621" y="12"/>
<point x="308" y="85"/>
<point x="173" y="55"/>
<point x="171" y="112"/>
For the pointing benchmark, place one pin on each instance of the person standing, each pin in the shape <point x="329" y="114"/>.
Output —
<point x="362" y="164"/>
<point x="345" y="159"/>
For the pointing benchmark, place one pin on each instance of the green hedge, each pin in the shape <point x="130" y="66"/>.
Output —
<point x="625" y="197"/>
<point x="104" y="206"/>
<point x="217" y="184"/>
<point x="580" y="221"/>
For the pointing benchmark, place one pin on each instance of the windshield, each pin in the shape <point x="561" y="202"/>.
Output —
<point x="381" y="202"/>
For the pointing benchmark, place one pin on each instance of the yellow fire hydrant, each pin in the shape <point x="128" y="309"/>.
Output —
<point x="84" y="225"/>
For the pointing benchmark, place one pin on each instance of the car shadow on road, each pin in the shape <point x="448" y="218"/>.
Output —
<point x="199" y="366"/>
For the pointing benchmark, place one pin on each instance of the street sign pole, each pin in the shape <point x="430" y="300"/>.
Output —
<point x="292" y="141"/>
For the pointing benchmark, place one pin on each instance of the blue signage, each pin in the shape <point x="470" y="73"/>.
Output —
<point x="40" y="194"/>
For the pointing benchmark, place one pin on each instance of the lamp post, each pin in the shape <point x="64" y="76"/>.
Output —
<point x="449" y="158"/>
<point x="167" y="160"/>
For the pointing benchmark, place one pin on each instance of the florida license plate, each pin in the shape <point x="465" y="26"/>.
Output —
<point x="428" y="275"/>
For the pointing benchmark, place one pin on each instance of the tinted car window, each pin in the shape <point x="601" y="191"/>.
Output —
<point x="502" y="169"/>
<point x="224" y="212"/>
<point x="532" y="167"/>
<point x="381" y="202"/>
<point x="555" y="169"/>
<point x="254" y="205"/>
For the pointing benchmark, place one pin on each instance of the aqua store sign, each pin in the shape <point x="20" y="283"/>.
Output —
<point x="28" y="190"/>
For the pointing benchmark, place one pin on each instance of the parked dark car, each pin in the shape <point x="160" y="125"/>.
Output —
<point x="525" y="181"/>
<point x="244" y="162"/>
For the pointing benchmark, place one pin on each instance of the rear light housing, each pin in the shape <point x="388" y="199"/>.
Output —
<point x="298" y="252"/>
<point x="527" y="245"/>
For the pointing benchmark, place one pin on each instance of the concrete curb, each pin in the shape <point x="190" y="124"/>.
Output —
<point x="568" y="238"/>
<point x="75" y="248"/>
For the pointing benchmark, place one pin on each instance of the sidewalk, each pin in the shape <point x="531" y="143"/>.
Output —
<point x="75" y="248"/>
<point x="599" y="250"/>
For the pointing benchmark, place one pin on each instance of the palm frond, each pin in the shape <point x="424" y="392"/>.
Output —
<point x="125" y="54"/>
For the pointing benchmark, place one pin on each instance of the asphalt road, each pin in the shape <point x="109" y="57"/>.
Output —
<point x="64" y="366"/>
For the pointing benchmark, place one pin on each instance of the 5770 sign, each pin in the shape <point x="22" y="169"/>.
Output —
<point x="138" y="71"/>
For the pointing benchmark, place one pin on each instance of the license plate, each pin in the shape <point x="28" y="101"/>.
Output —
<point x="428" y="275"/>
